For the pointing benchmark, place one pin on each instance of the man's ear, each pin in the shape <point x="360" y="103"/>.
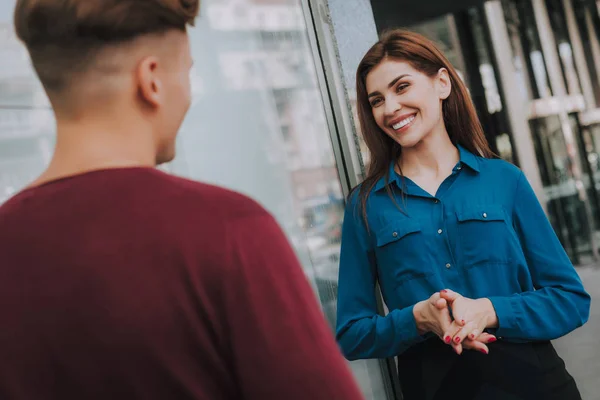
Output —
<point x="149" y="83"/>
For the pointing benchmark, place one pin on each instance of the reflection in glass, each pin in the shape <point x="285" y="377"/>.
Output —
<point x="520" y="18"/>
<point x="556" y="14"/>
<point x="565" y="207"/>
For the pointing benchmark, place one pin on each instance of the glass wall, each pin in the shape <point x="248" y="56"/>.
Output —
<point x="257" y="125"/>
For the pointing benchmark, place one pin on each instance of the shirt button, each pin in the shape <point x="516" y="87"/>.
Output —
<point x="484" y="215"/>
<point x="440" y="231"/>
<point x="395" y="234"/>
<point x="436" y="201"/>
<point x="459" y="168"/>
<point x="448" y="265"/>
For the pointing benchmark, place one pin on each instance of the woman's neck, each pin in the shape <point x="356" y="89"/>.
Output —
<point x="433" y="156"/>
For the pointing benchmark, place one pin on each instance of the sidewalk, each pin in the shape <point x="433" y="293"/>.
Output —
<point x="581" y="349"/>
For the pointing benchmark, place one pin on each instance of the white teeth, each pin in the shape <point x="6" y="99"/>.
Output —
<point x="404" y="122"/>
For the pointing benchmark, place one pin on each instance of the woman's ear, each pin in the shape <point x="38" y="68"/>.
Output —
<point x="444" y="84"/>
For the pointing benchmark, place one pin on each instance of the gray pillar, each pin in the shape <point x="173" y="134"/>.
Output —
<point x="516" y="106"/>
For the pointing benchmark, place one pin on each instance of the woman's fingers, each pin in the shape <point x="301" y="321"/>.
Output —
<point x="449" y="295"/>
<point x="465" y="332"/>
<point x="480" y="343"/>
<point x="476" y="345"/>
<point x="434" y="298"/>
<point x="440" y="304"/>
<point x="450" y="332"/>
<point x="486" y="338"/>
<point x="457" y="347"/>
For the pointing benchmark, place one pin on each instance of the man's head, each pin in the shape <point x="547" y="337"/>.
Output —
<point x="105" y="57"/>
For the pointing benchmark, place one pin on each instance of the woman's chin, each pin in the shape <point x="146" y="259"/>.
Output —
<point x="409" y="140"/>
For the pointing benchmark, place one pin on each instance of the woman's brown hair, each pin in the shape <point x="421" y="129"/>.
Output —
<point x="458" y="111"/>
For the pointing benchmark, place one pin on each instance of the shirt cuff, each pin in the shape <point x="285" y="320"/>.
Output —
<point x="405" y="320"/>
<point x="506" y="311"/>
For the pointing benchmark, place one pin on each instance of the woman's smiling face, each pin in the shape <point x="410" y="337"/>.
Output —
<point x="406" y="104"/>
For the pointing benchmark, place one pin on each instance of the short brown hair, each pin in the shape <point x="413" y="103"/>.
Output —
<point x="62" y="36"/>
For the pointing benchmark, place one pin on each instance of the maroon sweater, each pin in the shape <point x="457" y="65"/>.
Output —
<point x="133" y="284"/>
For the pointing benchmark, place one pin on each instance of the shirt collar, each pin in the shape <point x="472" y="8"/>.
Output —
<point x="466" y="157"/>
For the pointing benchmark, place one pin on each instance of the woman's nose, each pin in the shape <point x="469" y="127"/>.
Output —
<point x="391" y="107"/>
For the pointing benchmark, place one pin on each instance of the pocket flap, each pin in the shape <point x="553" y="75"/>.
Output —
<point x="397" y="230"/>
<point x="482" y="213"/>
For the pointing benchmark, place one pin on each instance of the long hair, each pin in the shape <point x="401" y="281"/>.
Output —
<point x="458" y="111"/>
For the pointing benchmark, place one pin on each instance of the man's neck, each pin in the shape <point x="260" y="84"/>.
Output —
<point x="82" y="148"/>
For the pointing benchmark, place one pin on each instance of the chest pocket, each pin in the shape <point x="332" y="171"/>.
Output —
<point x="401" y="249"/>
<point x="484" y="236"/>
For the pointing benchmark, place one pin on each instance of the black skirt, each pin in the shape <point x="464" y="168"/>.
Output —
<point x="512" y="371"/>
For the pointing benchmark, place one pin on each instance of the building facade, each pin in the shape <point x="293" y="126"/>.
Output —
<point x="273" y="114"/>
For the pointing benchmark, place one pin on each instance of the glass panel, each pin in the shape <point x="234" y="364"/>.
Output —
<point x="584" y="12"/>
<point x="26" y="121"/>
<point x="256" y="125"/>
<point x="511" y="15"/>
<point x="565" y="207"/>
<point x="520" y="15"/>
<point x="556" y="13"/>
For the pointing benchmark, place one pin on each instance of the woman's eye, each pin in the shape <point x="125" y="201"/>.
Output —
<point x="375" y="102"/>
<point x="402" y="87"/>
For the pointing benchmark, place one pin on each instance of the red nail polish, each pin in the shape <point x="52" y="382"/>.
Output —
<point x="483" y="351"/>
<point x="472" y="336"/>
<point x="462" y="321"/>
<point x="492" y="340"/>
<point x="444" y="291"/>
<point x="457" y="340"/>
<point x="448" y="339"/>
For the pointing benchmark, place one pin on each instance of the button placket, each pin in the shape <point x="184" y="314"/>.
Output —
<point x="450" y="260"/>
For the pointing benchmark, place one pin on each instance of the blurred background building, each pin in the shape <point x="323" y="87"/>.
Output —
<point x="273" y="117"/>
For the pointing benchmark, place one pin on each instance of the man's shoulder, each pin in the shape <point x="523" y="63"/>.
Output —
<point x="214" y="199"/>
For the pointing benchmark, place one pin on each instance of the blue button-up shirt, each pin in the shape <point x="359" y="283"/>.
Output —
<point x="484" y="234"/>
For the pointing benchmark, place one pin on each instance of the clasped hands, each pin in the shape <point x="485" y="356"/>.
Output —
<point x="457" y="320"/>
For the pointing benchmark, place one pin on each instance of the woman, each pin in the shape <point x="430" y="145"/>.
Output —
<point x="475" y="278"/>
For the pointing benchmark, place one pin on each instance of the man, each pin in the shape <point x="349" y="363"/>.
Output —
<point x="121" y="282"/>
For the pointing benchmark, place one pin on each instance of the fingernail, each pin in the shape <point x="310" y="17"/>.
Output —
<point x="457" y="340"/>
<point x="444" y="291"/>
<point x="448" y="339"/>
<point x="462" y="321"/>
<point x="472" y="336"/>
<point x="492" y="340"/>
<point x="484" y="351"/>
